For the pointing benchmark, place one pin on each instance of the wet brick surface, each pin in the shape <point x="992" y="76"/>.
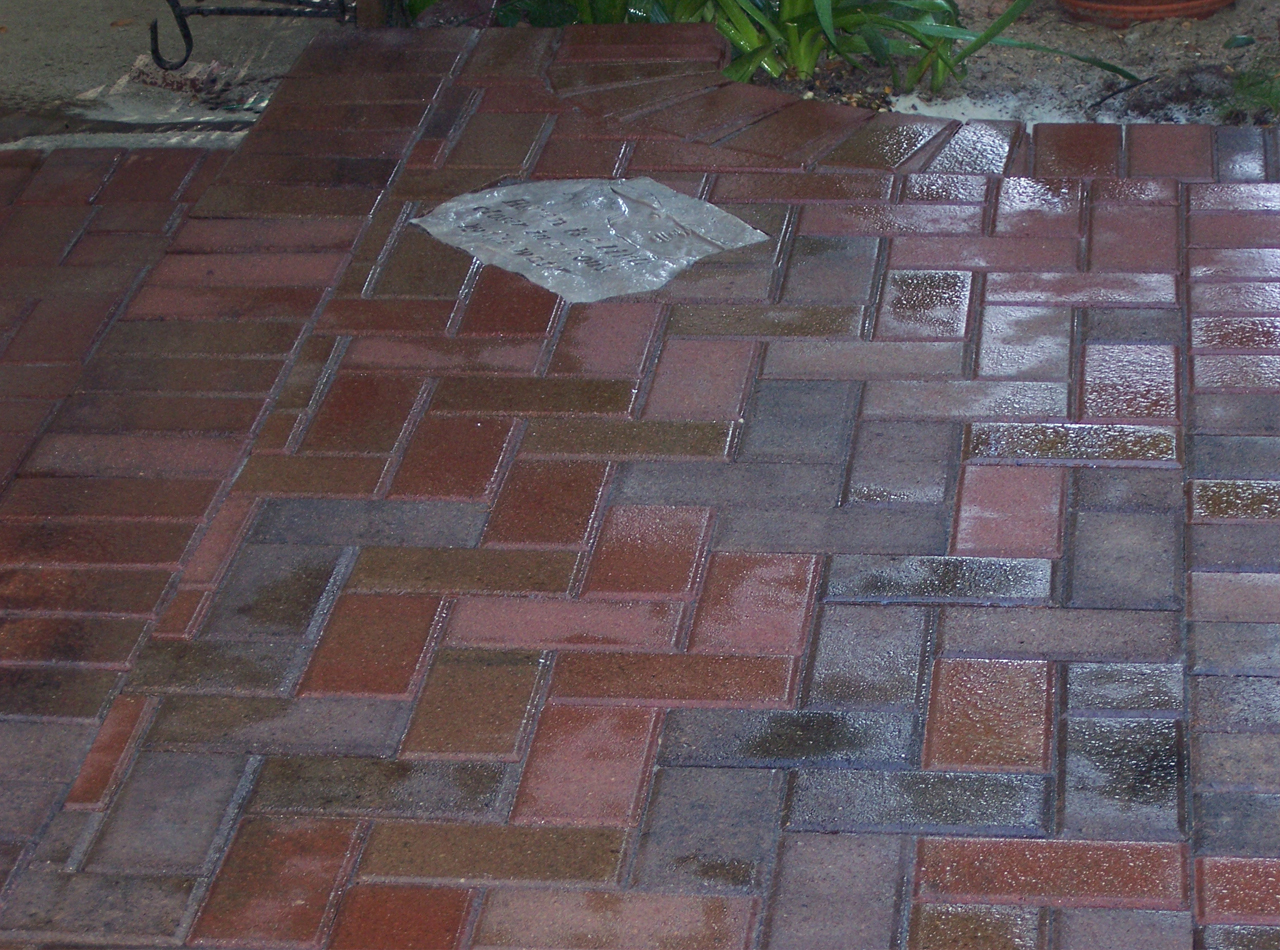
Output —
<point x="910" y="581"/>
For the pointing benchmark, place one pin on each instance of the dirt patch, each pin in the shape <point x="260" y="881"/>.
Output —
<point x="1189" y="70"/>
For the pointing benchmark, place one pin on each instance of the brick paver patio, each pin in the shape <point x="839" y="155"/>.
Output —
<point x="908" y="582"/>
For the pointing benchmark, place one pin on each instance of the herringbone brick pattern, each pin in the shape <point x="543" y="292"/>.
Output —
<point x="908" y="582"/>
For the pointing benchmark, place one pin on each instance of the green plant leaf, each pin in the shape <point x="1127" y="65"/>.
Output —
<point x="744" y="13"/>
<point x="823" y="9"/>
<point x="1239" y="41"/>
<point x="745" y="66"/>
<point x="877" y="45"/>
<point x="962" y="34"/>
<point x="997" y="27"/>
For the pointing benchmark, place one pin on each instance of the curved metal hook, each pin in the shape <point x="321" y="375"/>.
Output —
<point x="188" y="42"/>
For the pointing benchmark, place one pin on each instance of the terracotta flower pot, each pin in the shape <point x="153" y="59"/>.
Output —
<point x="1125" y="12"/>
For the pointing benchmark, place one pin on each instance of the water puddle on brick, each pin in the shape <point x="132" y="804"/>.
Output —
<point x="885" y="146"/>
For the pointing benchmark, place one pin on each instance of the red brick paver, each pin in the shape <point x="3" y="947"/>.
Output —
<point x="911" y="580"/>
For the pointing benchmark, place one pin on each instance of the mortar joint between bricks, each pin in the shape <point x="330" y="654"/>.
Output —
<point x="407" y="210"/>
<point x="904" y="892"/>
<point x="324" y="383"/>
<point x="396" y="457"/>
<point x="535" y="147"/>
<point x="624" y="158"/>
<point x="879" y="280"/>
<point x="220" y="845"/>
<point x="319" y="619"/>
<point x="555" y="330"/>
<point x="989" y="199"/>
<point x="418" y="681"/>
<point x="648" y="366"/>
<point x="973" y="325"/>
<point x="850" y="445"/>
<point x="454" y="323"/>
<point x="1084" y="252"/>
<point x="1058" y="744"/>
<point x="782" y="253"/>
<point x="176" y="195"/>
<point x="469" y="109"/>
<point x="115" y="166"/>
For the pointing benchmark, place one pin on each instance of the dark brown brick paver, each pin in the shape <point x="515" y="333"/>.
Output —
<point x="910" y="581"/>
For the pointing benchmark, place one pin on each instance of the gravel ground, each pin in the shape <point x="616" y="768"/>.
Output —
<point x="1190" y="72"/>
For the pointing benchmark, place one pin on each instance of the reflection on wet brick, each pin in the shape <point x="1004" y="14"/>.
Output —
<point x="1009" y="511"/>
<point x="989" y="715"/>
<point x="924" y="305"/>
<point x="409" y="850"/>
<point x="867" y="656"/>
<point x="1086" y="928"/>
<point x="755" y="604"/>
<point x="821" y="871"/>
<point x="647" y="549"/>
<point x="612" y="920"/>
<point x="710" y="829"/>
<point x="404" y="916"/>
<point x="959" y="927"/>
<point x="763" y="739"/>
<point x="917" y="802"/>
<point x="1114" y="444"/>
<point x="587" y="766"/>
<point x="1129" y="686"/>
<point x="1221" y="500"/>
<point x="491" y="689"/>
<point x="340" y="785"/>
<point x="1024" y="343"/>
<point x="1062" y="873"/>
<point x="1123" y="779"/>
<point x="277" y="880"/>
<point x="1130" y="382"/>
<point x="873" y="579"/>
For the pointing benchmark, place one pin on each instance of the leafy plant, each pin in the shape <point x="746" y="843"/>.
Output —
<point x="782" y="35"/>
<point x="1255" y="95"/>
<point x="542" y="13"/>
<point x="776" y="35"/>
